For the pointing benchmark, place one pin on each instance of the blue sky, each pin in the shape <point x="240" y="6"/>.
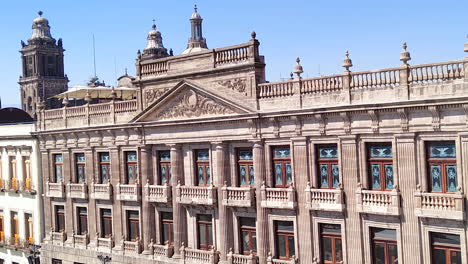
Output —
<point x="319" y="32"/>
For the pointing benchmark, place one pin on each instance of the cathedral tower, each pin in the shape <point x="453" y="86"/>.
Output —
<point x="43" y="71"/>
<point x="196" y="41"/>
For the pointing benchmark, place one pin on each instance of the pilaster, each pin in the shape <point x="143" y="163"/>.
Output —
<point x="47" y="204"/>
<point x="117" y="224"/>
<point x="90" y="172"/>
<point x="262" y="213"/>
<point x="147" y="210"/>
<point x="179" y="215"/>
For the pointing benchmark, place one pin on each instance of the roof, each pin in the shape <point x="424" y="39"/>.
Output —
<point x="12" y="115"/>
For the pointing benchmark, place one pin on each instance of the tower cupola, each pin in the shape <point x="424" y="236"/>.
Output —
<point x="196" y="42"/>
<point x="154" y="45"/>
<point x="41" y="29"/>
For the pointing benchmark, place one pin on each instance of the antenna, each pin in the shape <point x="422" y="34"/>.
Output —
<point x="94" y="56"/>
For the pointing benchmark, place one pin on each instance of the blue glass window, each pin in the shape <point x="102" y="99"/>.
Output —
<point x="165" y="167"/>
<point x="203" y="167"/>
<point x="132" y="167"/>
<point x="245" y="167"/>
<point x="381" y="167"/>
<point x="58" y="164"/>
<point x="282" y="168"/>
<point x="80" y="167"/>
<point x="104" y="167"/>
<point x="329" y="175"/>
<point x="442" y="167"/>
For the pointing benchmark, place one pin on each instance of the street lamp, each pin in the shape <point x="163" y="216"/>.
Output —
<point x="104" y="259"/>
<point x="34" y="258"/>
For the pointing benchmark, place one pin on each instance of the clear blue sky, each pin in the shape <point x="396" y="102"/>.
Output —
<point x="317" y="31"/>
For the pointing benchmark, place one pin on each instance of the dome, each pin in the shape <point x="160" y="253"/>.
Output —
<point x="12" y="115"/>
<point x="154" y="39"/>
<point x="154" y="32"/>
<point x="195" y="14"/>
<point x="41" y="19"/>
<point x="41" y="28"/>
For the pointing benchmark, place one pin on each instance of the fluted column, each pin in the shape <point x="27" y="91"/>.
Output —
<point x="301" y="178"/>
<point x="47" y="205"/>
<point x="117" y="225"/>
<point x="179" y="215"/>
<point x="66" y="177"/>
<point x="147" y="209"/>
<point x="350" y="182"/>
<point x="90" y="172"/>
<point x="406" y="165"/>
<point x="262" y="213"/>
<point x="223" y="212"/>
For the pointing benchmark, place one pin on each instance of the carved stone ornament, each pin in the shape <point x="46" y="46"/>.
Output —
<point x="237" y="84"/>
<point x="191" y="104"/>
<point x="153" y="94"/>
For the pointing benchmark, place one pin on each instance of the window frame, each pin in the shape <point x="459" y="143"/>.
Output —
<point x="82" y="220"/>
<point x="80" y="165"/>
<point x="386" y="242"/>
<point x="283" y="162"/>
<point x="330" y="162"/>
<point x="104" y="166"/>
<point x="106" y="219"/>
<point x="249" y="164"/>
<point x="208" y="226"/>
<point x="333" y="237"/>
<point x="133" y="223"/>
<point x="166" y="164"/>
<point x="448" y="248"/>
<point x="205" y="164"/>
<point x="58" y="165"/>
<point x="382" y="163"/>
<point x="59" y="218"/>
<point x="443" y="163"/>
<point x="252" y="231"/>
<point x="131" y="165"/>
<point x="287" y="234"/>
<point x="170" y="225"/>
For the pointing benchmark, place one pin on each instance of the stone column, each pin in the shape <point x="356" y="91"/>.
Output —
<point x="90" y="172"/>
<point x="147" y="209"/>
<point x="69" y="228"/>
<point x="117" y="223"/>
<point x="221" y="170"/>
<point x="262" y="213"/>
<point x="406" y="165"/>
<point x="48" y="211"/>
<point x="350" y="181"/>
<point x="179" y="215"/>
<point x="301" y="177"/>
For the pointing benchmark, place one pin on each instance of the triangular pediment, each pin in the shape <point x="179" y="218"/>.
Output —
<point x="188" y="101"/>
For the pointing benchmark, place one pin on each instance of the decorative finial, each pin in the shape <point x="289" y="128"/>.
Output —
<point x="40" y="13"/>
<point x="291" y="75"/>
<point x="298" y="68"/>
<point x="126" y="74"/>
<point x="154" y="24"/>
<point x="347" y="62"/>
<point x="65" y="101"/>
<point x="171" y="52"/>
<point x="195" y="8"/>
<point x="405" y="55"/>
<point x="253" y="35"/>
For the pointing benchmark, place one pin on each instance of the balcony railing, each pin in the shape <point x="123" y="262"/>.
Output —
<point x="378" y="202"/>
<point x="238" y="196"/>
<point x="58" y="237"/>
<point x="162" y="252"/>
<point x="272" y="260"/>
<point x="440" y="205"/>
<point x="55" y="189"/>
<point x="198" y="256"/>
<point x="158" y="193"/>
<point x="241" y="259"/>
<point x="81" y="241"/>
<point x="77" y="190"/>
<point x="2" y="237"/>
<point x="324" y="199"/>
<point x="105" y="243"/>
<point x="14" y="185"/>
<point x="196" y="195"/>
<point x="279" y="198"/>
<point x="131" y="247"/>
<point x="101" y="191"/>
<point x="128" y="192"/>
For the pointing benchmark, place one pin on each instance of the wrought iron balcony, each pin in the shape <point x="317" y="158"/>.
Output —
<point x="101" y="191"/>
<point x="55" y="189"/>
<point x="279" y="198"/>
<point x="158" y="193"/>
<point x="196" y="195"/>
<point x="128" y="192"/>
<point x="77" y="190"/>
<point x="238" y="196"/>
<point x="324" y="199"/>
<point x="440" y="205"/>
<point x="378" y="202"/>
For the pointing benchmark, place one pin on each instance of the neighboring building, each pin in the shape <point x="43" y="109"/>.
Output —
<point x="21" y="215"/>
<point x="211" y="162"/>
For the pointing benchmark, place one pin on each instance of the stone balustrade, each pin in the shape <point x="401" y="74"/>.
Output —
<point x="442" y="71"/>
<point x="241" y="259"/>
<point x="81" y="241"/>
<point x="238" y="196"/>
<point x="233" y="54"/>
<point x="198" y="256"/>
<point x="378" y="202"/>
<point x="325" y="199"/>
<point x="155" y="68"/>
<point x="440" y="205"/>
<point x="131" y="247"/>
<point x="196" y="195"/>
<point x="101" y="191"/>
<point x="55" y="189"/>
<point x="77" y="190"/>
<point x="272" y="260"/>
<point x="58" y="237"/>
<point x="162" y="252"/>
<point x="276" y="89"/>
<point x="158" y="193"/>
<point x="322" y="84"/>
<point x="128" y="192"/>
<point x="105" y="244"/>
<point x="279" y="198"/>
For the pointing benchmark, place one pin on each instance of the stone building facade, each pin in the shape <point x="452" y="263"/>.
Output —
<point x="213" y="164"/>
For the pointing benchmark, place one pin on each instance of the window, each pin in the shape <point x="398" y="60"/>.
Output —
<point x="328" y="171"/>
<point x="82" y="213"/>
<point x="442" y="167"/>
<point x="133" y="228"/>
<point x="2" y="227"/>
<point x="106" y="223"/>
<point x="131" y="167"/>
<point x="245" y="167"/>
<point x="165" y="171"/>
<point x="248" y="235"/>
<point x="167" y="226"/>
<point x="445" y="248"/>
<point x="381" y="167"/>
<point x="284" y="232"/>
<point x="282" y="167"/>
<point x="80" y="164"/>
<point x="330" y="243"/>
<point x="203" y="167"/>
<point x="58" y="168"/>
<point x="59" y="218"/>
<point x="29" y="230"/>
<point x="384" y="246"/>
<point x="205" y="232"/>
<point x="15" y="227"/>
<point x="56" y="261"/>
<point x="27" y="172"/>
<point x="104" y="167"/>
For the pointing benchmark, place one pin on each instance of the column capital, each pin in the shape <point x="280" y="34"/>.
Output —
<point x="219" y="144"/>
<point x="258" y="143"/>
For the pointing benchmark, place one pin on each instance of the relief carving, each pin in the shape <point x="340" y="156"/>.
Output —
<point x="153" y="94"/>
<point x="237" y="84"/>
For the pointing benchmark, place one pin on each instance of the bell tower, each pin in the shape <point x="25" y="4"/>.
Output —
<point x="43" y="71"/>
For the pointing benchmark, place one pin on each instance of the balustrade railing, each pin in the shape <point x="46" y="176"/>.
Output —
<point x="440" y="205"/>
<point x="436" y="71"/>
<point x="101" y="191"/>
<point x="322" y="84"/>
<point x="281" y="198"/>
<point x="107" y="243"/>
<point x="378" y="202"/>
<point x="81" y="240"/>
<point x="198" y="256"/>
<point x="58" y="236"/>
<point x="277" y="89"/>
<point x="128" y="192"/>
<point x="163" y="251"/>
<point x="241" y="259"/>
<point x="154" y="68"/>
<point x="324" y="199"/>
<point x="55" y="189"/>
<point x="77" y="190"/>
<point x="158" y="193"/>
<point x="377" y="78"/>
<point x="196" y="195"/>
<point x="232" y="54"/>
<point x="126" y="106"/>
<point x="132" y="247"/>
<point x="238" y="196"/>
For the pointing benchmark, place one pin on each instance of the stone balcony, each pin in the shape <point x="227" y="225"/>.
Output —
<point x="105" y="244"/>
<point x="241" y="259"/>
<point x="162" y="252"/>
<point x="440" y="205"/>
<point x="77" y="190"/>
<point x="238" y="196"/>
<point x="128" y="192"/>
<point x="278" y="198"/>
<point x="81" y="241"/>
<point x="158" y="193"/>
<point x="325" y="199"/>
<point x="196" y="195"/>
<point x="280" y="261"/>
<point x="131" y="248"/>
<point x="58" y="238"/>
<point x="55" y="189"/>
<point x="198" y="256"/>
<point x="101" y="191"/>
<point x="378" y="202"/>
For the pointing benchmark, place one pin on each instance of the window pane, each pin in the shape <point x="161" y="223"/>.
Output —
<point x="328" y="152"/>
<point x="252" y="175"/>
<point x="330" y="229"/>
<point x="201" y="180"/>
<point x="335" y="175"/>
<point x="327" y="251"/>
<point x="455" y="257"/>
<point x="254" y="241"/>
<point x="245" y="240"/>
<point x="130" y="173"/>
<point x="208" y="175"/>
<point x="381" y="233"/>
<point x="163" y="174"/>
<point x="279" y="173"/>
<point x="202" y="230"/>
<point x="438" y="256"/>
<point x="58" y="158"/>
<point x="245" y="155"/>
<point x="379" y="253"/>
<point x="243" y="174"/>
<point x="324" y="175"/>
<point x="339" y="250"/>
<point x="105" y="157"/>
<point x="131" y="156"/>
<point x="375" y="169"/>
<point x="436" y="178"/>
<point x="380" y="151"/>
<point x="284" y="226"/>
<point x="281" y="153"/>
<point x="203" y="155"/>
<point x="388" y="176"/>
<point x="443" y="238"/>
<point x="165" y="233"/>
<point x="164" y="155"/>
<point x="81" y="173"/>
<point x="291" y="247"/>
<point x="281" y="245"/>
<point x="392" y="253"/>
<point x="210" y="235"/>
<point x="442" y="150"/>
<point x="451" y="171"/>
<point x="288" y="173"/>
